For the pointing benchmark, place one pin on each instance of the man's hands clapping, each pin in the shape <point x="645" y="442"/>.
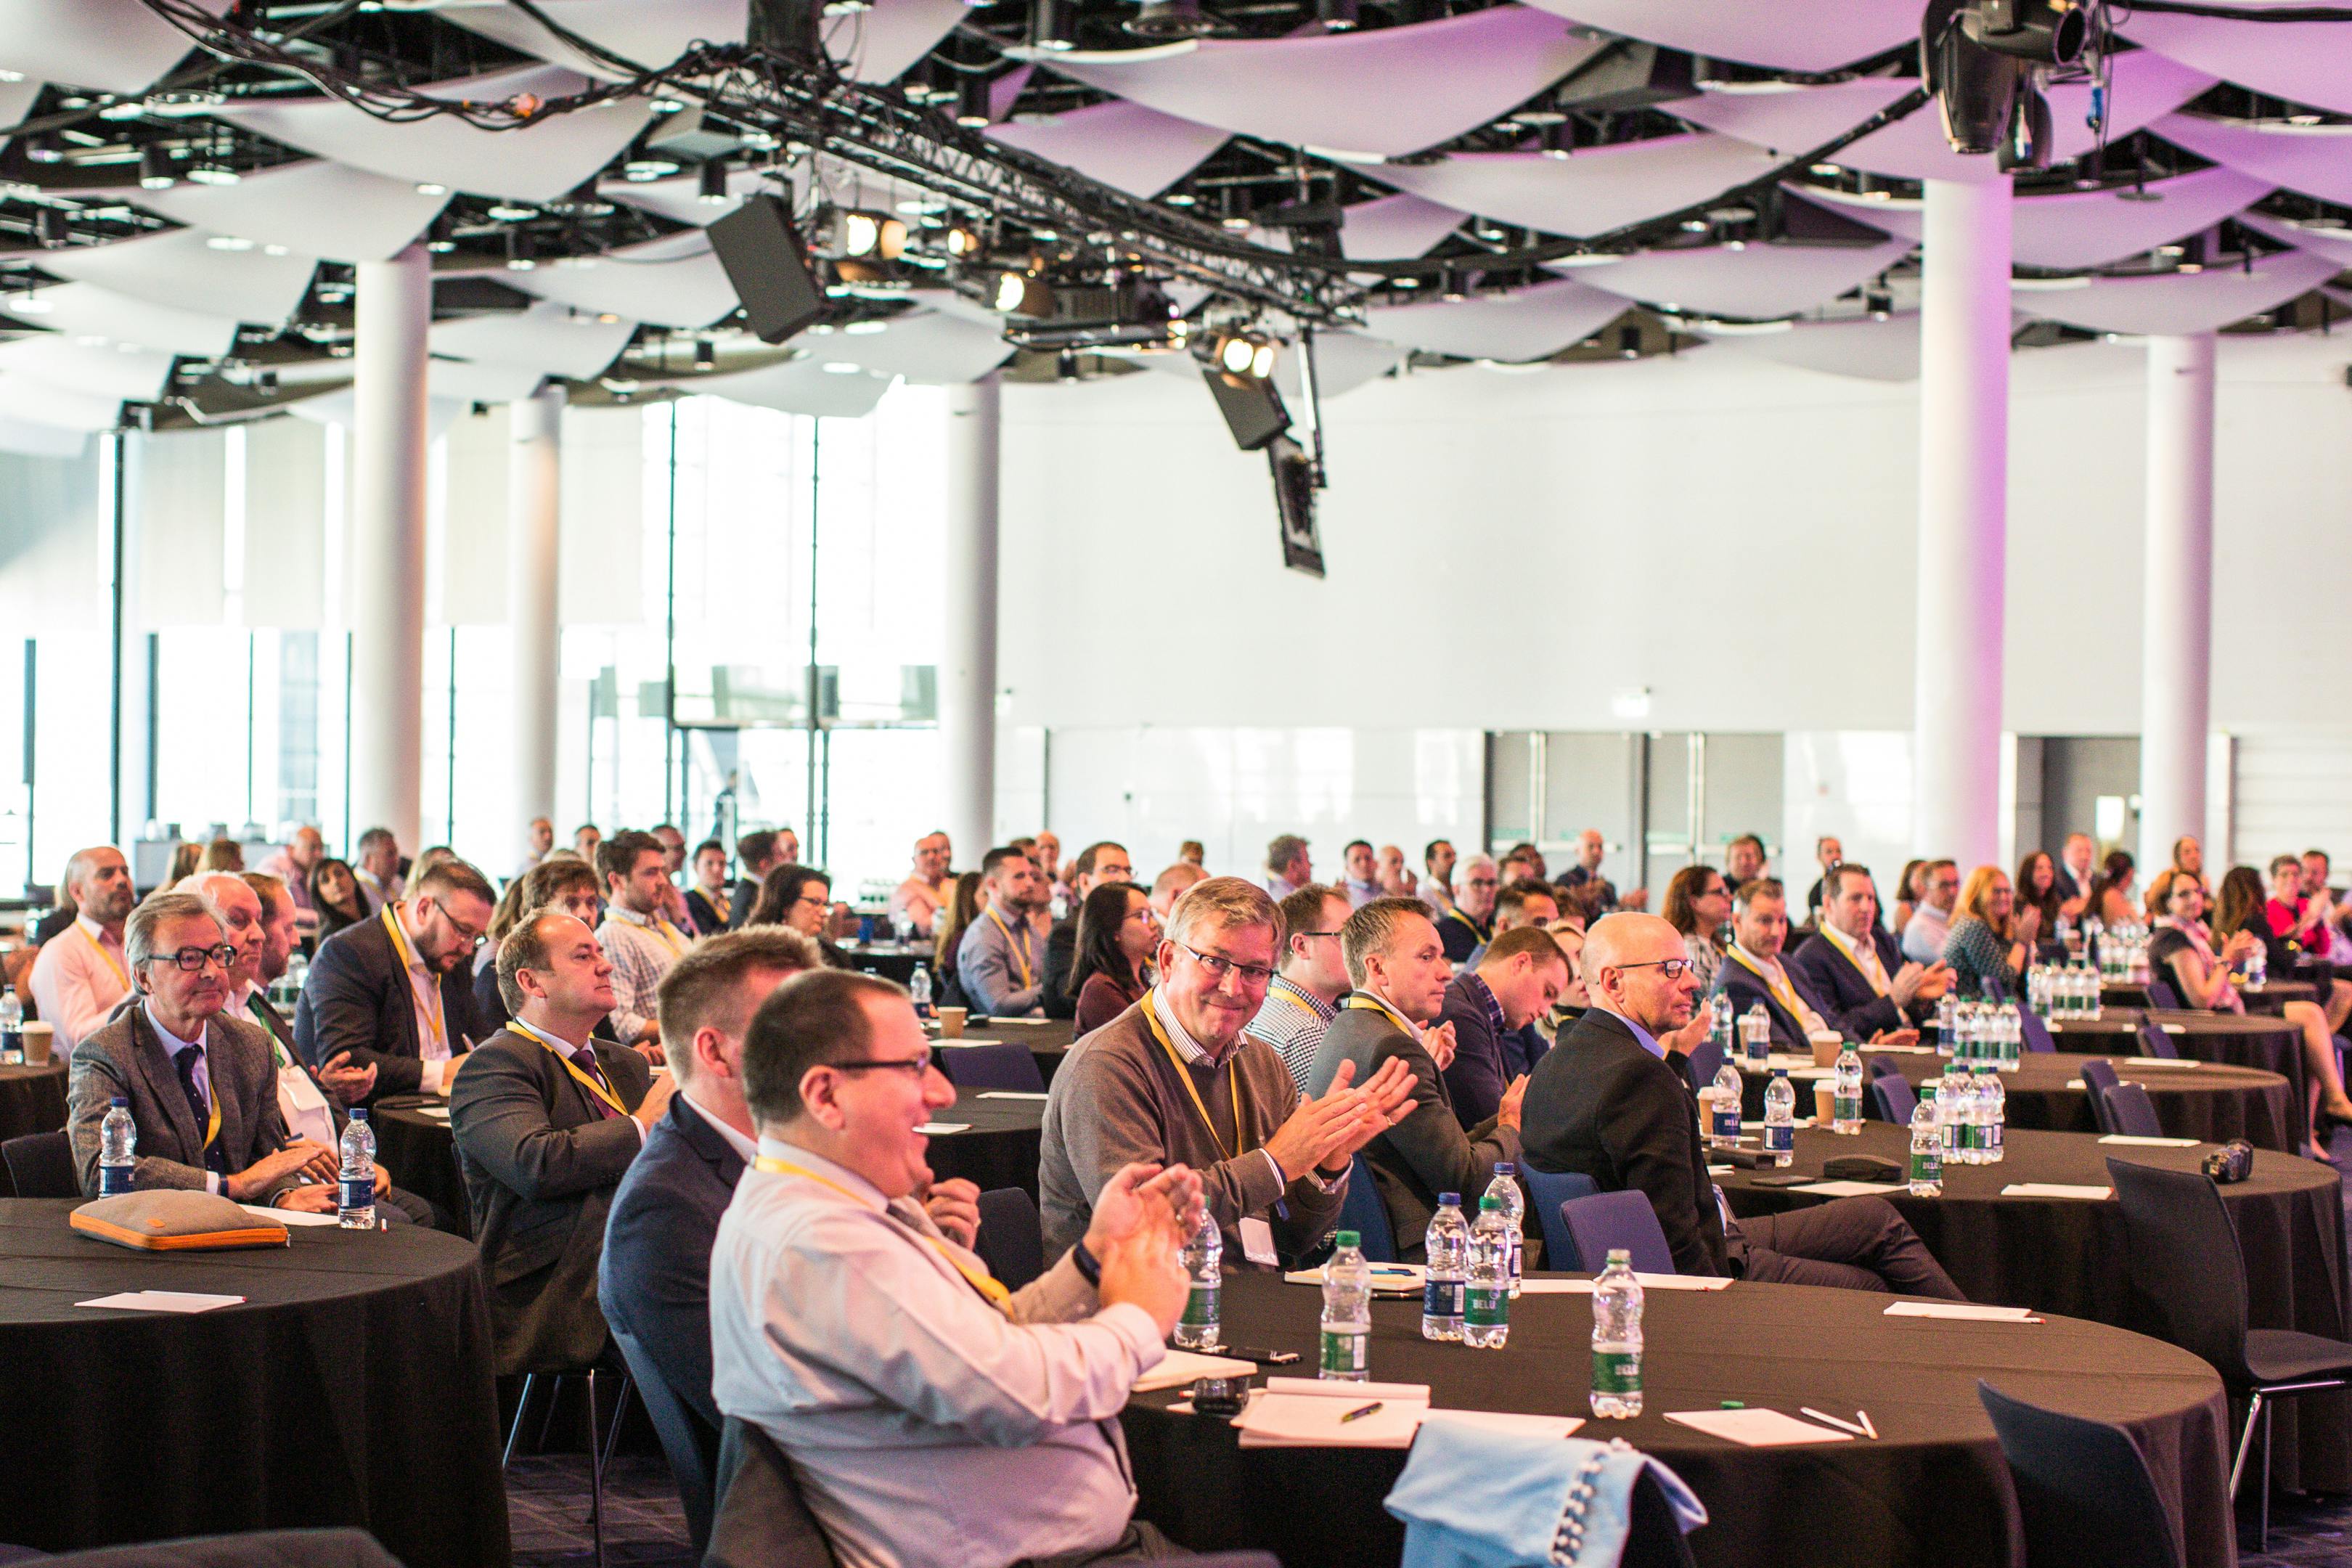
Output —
<point x="1324" y="1135"/>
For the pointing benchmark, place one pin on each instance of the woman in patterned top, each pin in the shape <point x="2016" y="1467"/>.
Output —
<point x="1991" y="943"/>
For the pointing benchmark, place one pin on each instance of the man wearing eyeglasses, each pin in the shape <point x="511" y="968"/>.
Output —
<point x="547" y="1119"/>
<point x="1467" y="926"/>
<point x="1604" y="1103"/>
<point x="202" y="1088"/>
<point x="1095" y="865"/>
<point x="396" y="993"/>
<point x="1174" y="1080"/>
<point x="1304" y="996"/>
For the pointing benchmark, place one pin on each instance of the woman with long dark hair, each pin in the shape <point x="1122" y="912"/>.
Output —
<point x="2037" y="886"/>
<point x="1117" y="936"/>
<point x="1907" y="893"/>
<point x="2108" y="899"/>
<point x="335" y="894"/>
<point x="956" y="911"/>
<point x="1697" y="903"/>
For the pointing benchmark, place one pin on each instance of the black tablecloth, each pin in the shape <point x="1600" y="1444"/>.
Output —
<point x="2068" y="1255"/>
<point x="2209" y="1100"/>
<point x="353" y="1388"/>
<point x="1000" y="1149"/>
<point x="1932" y="1489"/>
<point x="2231" y="1037"/>
<point x="1048" y="1039"/>
<point x="32" y="1100"/>
<point x="2273" y="997"/>
<point x="890" y="961"/>
<point x="415" y="1147"/>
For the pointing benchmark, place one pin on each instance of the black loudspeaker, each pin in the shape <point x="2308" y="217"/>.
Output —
<point x="1252" y="407"/>
<point x="1293" y="498"/>
<point x="768" y="264"/>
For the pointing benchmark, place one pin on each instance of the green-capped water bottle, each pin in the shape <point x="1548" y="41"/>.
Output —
<point x="1347" y="1312"/>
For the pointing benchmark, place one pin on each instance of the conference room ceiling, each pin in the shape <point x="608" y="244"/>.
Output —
<point x="1574" y="179"/>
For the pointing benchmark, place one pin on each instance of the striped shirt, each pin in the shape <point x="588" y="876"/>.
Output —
<point x="1292" y="1020"/>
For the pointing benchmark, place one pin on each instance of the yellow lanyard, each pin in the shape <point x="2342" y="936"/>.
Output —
<point x="407" y="962"/>
<point x="100" y="948"/>
<point x="1184" y="1076"/>
<point x="1277" y="994"/>
<point x="563" y="1053"/>
<point x="654" y="925"/>
<point x="1465" y="919"/>
<point x="980" y="1279"/>
<point x="1782" y="992"/>
<point x="1028" y="977"/>
<point x="1839" y="940"/>
<point x="1362" y="1003"/>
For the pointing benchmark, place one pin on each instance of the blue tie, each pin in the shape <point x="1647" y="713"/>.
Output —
<point x="216" y="1159"/>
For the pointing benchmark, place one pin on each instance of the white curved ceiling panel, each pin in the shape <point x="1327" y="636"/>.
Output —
<point x="1862" y="348"/>
<point x="2171" y="303"/>
<point x="2086" y="229"/>
<point x="2146" y="87"/>
<point x="801" y="387"/>
<point x="180" y="268"/>
<point x="85" y="310"/>
<point x="1791" y="120"/>
<point x="30" y="440"/>
<point x="116" y="46"/>
<point x="1754" y="282"/>
<point x="550" y="339"/>
<point x="1125" y="145"/>
<point x="2308" y="62"/>
<point x="98" y="369"/>
<point x="1526" y="324"/>
<point x="1384" y="92"/>
<point x="1599" y="190"/>
<point x="313" y="208"/>
<point x="38" y="402"/>
<point x="2313" y="159"/>
<point x="538" y="163"/>
<point x="1792" y="34"/>
<point x="1343" y="361"/>
<point x="1394" y="228"/>
<point x="931" y="346"/>
<point x="872" y="44"/>
<point x="2335" y="244"/>
<point x="647" y="282"/>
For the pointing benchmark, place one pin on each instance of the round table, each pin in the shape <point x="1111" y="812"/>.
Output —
<point x="891" y="960"/>
<point x="32" y="1099"/>
<point x="1932" y="1489"/>
<point x="2069" y="1255"/>
<point x="1048" y="1039"/>
<point x="2273" y="996"/>
<point x="416" y="1146"/>
<point x="2234" y="1038"/>
<point x="998" y="1147"/>
<point x="352" y="1387"/>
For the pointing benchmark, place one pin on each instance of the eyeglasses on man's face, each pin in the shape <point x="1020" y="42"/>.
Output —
<point x="916" y="1064"/>
<point x="192" y="959"/>
<point x="1672" y="968"/>
<point x="1217" y="966"/>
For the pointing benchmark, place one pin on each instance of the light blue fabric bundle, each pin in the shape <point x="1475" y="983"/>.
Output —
<point x="1474" y="1497"/>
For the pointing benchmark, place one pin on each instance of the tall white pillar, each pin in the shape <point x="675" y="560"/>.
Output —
<point x="387" y="558"/>
<point x="534" y="518"/>
<point x="1963" y="521"/>
<point x="967" y="681"/>
<point x="2177" y="633"/>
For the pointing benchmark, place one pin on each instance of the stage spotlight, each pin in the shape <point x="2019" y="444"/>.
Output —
<point x="155" y="170"/>
<point x="1050" y="25"/>
<point x="2034" y="30"/>
<point x="1022" y="294"/>
<point x="846" y="232"/>
<point x="1337" y="16"/>
<point x="973" y="108"/>
<point x="1168" y="21"/>
<point x="714" y="191"/>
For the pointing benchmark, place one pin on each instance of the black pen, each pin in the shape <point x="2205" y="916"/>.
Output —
<point x="1360" y="1410"/>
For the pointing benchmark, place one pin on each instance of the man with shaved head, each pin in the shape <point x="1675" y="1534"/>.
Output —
<point x="1604" y="1103"/>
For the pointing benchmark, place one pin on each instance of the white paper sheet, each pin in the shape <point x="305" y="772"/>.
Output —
<point x="1757" y="1428"/>
<point x="2054" y="1190"/>
<point x="1507" y="1421"/>
<point x="163" y="1301"/>
<point x="1313" y="1419"/>
<point x="289" y="1217"/>
<point x="1965" y="1311"/>
<point x="1013" y="1094"/>
<point x="2175" y="1063"/>
<point x="1851" y="1189"/>
<point x="1178" y="1369"/>
<point x="2130" y="1141"/>
<point x="1388" y="1278"/>
<point x="933" y="1129"/>
<point x="1536" y="1286"/>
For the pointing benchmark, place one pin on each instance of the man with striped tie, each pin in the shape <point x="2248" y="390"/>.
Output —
<point x="639" y="937"/>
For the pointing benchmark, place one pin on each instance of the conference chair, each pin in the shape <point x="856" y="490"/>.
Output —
<point x="991" y="1064"/>
<point x="2098" y="1077"/>
<point x="1606" y="1220"/>
<point x="1362" y="1212"/>
<point x="2083" y="1489"/>
<point x="2132" y="1112"/>
<point x="1705" y="1061"/>
<point x="1012" y="1237"/>
<point x="761" y="1520"/>
<point x="2156" y="1040"/>
<point x="1893" y="1098"/>
<point x="40" y="1165"/>
<point x="2160" y="994"/>
<point x="1547" y="1190"/>
<point x="2036" y="1032"/>
<point x="688" y="1443"/>
<point x="2184" y="1257"/>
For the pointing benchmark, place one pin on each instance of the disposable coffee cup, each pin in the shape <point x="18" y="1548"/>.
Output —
<point x="1827" y="1044"/>
<point x="39" y="1038"/>
<point x="1824" y="1102"/>
<point x="952" y="1023"/>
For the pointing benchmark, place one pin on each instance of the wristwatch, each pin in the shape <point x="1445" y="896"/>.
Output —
<point x="1088" y="1265"/>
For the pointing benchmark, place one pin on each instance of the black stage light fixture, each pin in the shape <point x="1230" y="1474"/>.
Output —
<point x="2027" y="144"/>
<point x="1293" y="502"/>
<point x="1169" y="21"/>
<point x="973" y="108"/>
<point x="1974" y="87"/>
<point x="1253" y="408"/>
<point x="714" y="191"/>
<point x="50" y="230"/>
<point x="2033" y="30"/>
<point x="766" y="262"/>
<point x="1050" y="25"/>
<point x="1022" y="294"/>
<point x="706" y="354"/>
<point x="1337" y="16"/>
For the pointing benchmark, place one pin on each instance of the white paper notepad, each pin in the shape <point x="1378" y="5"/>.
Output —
<point x="1552" y="1426"/>
<point x="1013" y="1094"/>
<point x="1965" y="1311"/>
<point x="1540" y="1287"/>
<point x="1296" y="1412"/>
<point x="933" y="1129"/>
<point x="291" y="1217"/>
<point x="1179" y="1369"/>
<point x="163" y="1301"/>
<point x="2056" y="1190"/>
<point x="1851" y="1189"/>
<point x="1388" y="1278"/>
<point x="1757" y="1428"/>
<point x="2175" y="1064"/>
<point x="2130" y="1141"/>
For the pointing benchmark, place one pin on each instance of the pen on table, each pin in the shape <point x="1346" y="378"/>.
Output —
<point x="1864" y="1416"/>
<point x="1841" y="1426"/>
<point x="1360" y="1410"/>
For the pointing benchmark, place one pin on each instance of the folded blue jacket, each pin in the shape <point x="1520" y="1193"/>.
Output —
<point x="1473" y="1498"/>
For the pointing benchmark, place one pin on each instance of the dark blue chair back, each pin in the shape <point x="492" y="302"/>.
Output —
<point x="1547" y="1190"/>
<point x="2036" y="1032"/>
<point x="691" y="1445"/>
<point x="762" y="1521"/>
<point x="995" y="1064"/>
<point x="2160" y="994"/>
<point x="2098" y="1077"/>
<point x="1012" y="1237"/>
<point x="2155" y="1042"/>
<point x="1706" y="1061"/>
<point x="1362" y="1212"/>
<point x="2132" y="1113"/>
<point x="1605" y="1220"/>
<point x="1892" y="1098"/>
<point x="2083" y="1491"/>
<point x="1879" y="1067"/>
<point x="40" y="1165"/>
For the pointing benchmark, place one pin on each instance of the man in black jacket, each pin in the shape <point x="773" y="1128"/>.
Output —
<point x="1096" y="864"/>
<point x="396" y="993"/>
<point x="1605" y="1103"/>
<point x="1493" y="1009"/>
<point x="1855" y="969"/>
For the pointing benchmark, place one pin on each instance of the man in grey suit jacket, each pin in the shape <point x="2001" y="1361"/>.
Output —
<point x="203" y="1089"/>
<point x="1398" y="964"/>
<point x="547" y="1119"/>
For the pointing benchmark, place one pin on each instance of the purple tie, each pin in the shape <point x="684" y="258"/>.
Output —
<point x="586" y="1057"/>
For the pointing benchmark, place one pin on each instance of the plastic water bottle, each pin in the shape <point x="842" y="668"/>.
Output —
<point x="1449" y="1262"/>
<point x="1486" y="1298"/>
<point x="1347" y="1313"/>
<point x="1847" y="1122"/>
<point x="2012" y="1038"/>
<point x="1957" y="1103"/>
<point x="285" y="991"/>
<point x="1617" y="1339"/>
<point x="1719" y="1026"/>
<point x="1204" y="1256"/>
<point x="355" y="1200"/>
<point x="1926" y="1148"/>
<point x="1947" y="1023"/>
<point x="918" y="989"/>
<point x="2094" y="1002"/>
<point x="1992" y="1115"/>
<point x="118" y="1149"/>
<point x="1505" y="1190"/>
<point x="1756" y="1038"/>
<point x="11" y="1027"/>
<point x="1780" y="1118"/>
<point x="1730" y="1091"/>
<point x="2258" y="967"/>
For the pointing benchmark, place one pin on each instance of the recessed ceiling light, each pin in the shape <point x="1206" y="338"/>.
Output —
<point x="638" y="171"/>
<point x="273" y="250"/>
<point x="228" y="242"/>
<point x="839" y="367"/>
<point x="505" y="213"/>
<point x="865" y="329"/>
<point x="28" y="303"/>
<point x="427" y="189"/>
<point x="214" y="174"/>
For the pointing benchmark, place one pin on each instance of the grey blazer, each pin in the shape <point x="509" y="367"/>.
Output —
<point x="126" y="1057"/>
<point x="541" y="1170"/>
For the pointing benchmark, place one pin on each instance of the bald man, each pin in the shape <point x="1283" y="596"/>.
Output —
<point x="1604" y="1103"/>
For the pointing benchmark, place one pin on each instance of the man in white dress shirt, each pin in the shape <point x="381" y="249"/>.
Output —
<point x="966" y="1412"/>
<point x="82" y="976"/>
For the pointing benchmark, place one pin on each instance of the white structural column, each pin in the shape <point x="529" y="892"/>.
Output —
<point x="2177" y="633"/>
<point x="387" y="551"/>
<point x="967" y="681"/>
<point x="1963" y="520"/>
<point x="534" y="519"/>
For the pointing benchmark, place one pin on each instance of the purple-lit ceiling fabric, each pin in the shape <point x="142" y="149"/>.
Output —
<point x="180" y="269"/>
<point x="116" y="46"/>
<point x="1861" y="349"/>
<point x="313" y="208"/>
<point x="1524" y="324"/>
<point x="1381" y="93"/>
<point x="2313" y="159"/>
<point x="1786" y="34"/>
<point x="2173" y="303"/>
<point x="535" y="164"/>
<point x="1790" y="120"/>
<point x="1597" y="191"/>
<point x="2305" y="62"/>
<point x="1125" y="145"/>
<point x="1754" y="282"/>
<point x="2072" y="229"/>
<point x="2147" y="86"/>
<point x="1394" y="228"/>
<point x="877" y="43"/>
<point x="549" y="339"/>
<point x="2335" y="244"/>
<point x="659" y="281"/>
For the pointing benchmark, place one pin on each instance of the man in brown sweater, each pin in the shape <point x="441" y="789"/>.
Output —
<point x="1173" y="1080"/>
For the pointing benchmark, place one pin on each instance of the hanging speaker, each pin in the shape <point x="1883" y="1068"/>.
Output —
<point x="765" y="261"/>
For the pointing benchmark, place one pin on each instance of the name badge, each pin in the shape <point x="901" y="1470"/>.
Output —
<point x="1257" y="1241"/>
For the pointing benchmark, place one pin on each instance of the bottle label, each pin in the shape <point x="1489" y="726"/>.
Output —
<point x="1927" y="1165"/>
<point x="1518" y="1256"/>
<point x="113" y="1181"/>
<point x="1200" y="1306"/>
<point x="1442" y="1299"/>
<point x="1849" y="1107"/>
<point x="357" y="1193"/>
<point x="1616" y="1372"/>
<point x="1780" y="1137"/>
<point x="1726" y="1123"/>
<point x="1343" y="1353"/>
<point x="1487" y="1306"/>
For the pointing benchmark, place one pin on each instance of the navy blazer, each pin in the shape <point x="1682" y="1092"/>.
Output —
<point x="1485" y="1063"/>
<point x="358" y="999"/>
<point x="1822" y="973"/>
<point x="653" y="1281"/>
<point x="1734" y="980"/>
